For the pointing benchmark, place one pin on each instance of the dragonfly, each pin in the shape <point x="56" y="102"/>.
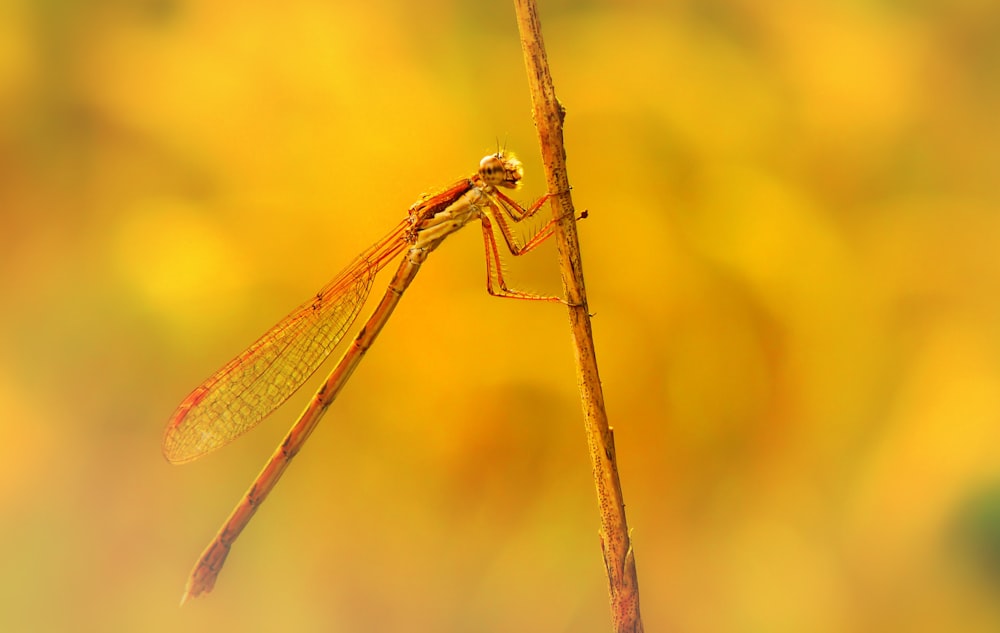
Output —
<point x="256" y="382"/>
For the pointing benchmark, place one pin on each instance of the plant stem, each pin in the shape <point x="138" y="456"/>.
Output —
<point x="616" y="544"/>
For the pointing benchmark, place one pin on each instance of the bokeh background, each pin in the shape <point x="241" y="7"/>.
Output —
<point x="791" y="254"/>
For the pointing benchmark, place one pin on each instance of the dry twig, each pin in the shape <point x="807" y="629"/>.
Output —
<point x="616" y="544"/>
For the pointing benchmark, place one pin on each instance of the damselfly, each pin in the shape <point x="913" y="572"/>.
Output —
<point x="255" y="383"/>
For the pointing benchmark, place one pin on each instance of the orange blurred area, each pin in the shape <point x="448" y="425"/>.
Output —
<point x="792" y="255"/>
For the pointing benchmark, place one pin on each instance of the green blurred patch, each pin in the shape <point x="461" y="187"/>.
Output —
<point x="976" y="533"/>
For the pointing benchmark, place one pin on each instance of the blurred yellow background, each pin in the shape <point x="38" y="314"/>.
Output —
<point x="792" y="254"/>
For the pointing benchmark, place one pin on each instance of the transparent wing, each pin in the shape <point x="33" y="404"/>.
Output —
<point x="255" y="383"/>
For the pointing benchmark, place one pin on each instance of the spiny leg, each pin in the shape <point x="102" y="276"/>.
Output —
<point x="495" y="267"/>
<point x="515" y="210"/>
<point x="503" y="205"/>
<point x="542" y="234"/>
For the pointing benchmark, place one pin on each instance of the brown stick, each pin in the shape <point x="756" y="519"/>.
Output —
<point x="616" y="544"/>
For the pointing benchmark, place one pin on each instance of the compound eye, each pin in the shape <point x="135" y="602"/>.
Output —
<point x="492" y="170"/>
